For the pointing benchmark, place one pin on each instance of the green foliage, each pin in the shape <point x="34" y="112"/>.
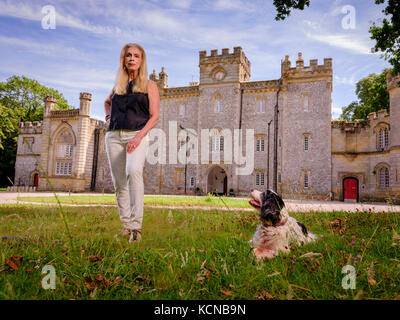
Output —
<point x="21" y="99"/>
<point x="387" y="36"/>
<point x="193" y="254"/>
<point x="372" y="95"/>
<point x="283" y="7"/>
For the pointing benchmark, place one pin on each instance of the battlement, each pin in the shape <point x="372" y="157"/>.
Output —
<point x="380" y="116"/>
<point x="235" y="64"/>
<point x="237" y="52"/>
<point x="214" y="56"/>
<point x="29" y="127"/>
<point x="349" y="126"/>
<point x="302" y="71"/>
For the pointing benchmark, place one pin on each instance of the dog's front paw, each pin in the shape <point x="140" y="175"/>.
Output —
<point x="263" y="254"/>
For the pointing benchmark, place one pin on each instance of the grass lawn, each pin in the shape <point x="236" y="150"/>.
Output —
<point x="148" y="200"/>
<point x="192" y="254"/>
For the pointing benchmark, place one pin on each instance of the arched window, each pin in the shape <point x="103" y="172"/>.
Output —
<point x="64" y="153"/>
<point x="217" y="140"/>
<point x="217" y="101"/>
<point x="218" y="105"/>
<point x="384" y="177"/>
<point x="382" y="137"/>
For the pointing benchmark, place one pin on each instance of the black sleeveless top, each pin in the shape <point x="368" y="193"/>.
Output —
<point x="129" y="111"/>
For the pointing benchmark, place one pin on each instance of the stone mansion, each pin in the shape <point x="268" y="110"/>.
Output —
<point x="317" y="157"/>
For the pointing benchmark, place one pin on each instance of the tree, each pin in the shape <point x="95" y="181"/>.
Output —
<point x="387" y="36"/>
<point x="21" y="99"/>
<point x="372" y="96"/>
<point x="28" y="96"/>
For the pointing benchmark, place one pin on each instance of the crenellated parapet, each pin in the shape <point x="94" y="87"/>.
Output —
<point x="29" y="127"/>
<point x="301" y="72"/>
<point x="215" y="60"/>
<point x="352" y="126"/>
<point x="381" y="115"/>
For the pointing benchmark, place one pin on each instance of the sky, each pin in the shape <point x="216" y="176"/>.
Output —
<point x="81" y="52"/>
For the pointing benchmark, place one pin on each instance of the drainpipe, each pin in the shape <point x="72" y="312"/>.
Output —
<point x="269" y="123"/>
<point x="276" y="114"/>
<point x="95" y="156"/>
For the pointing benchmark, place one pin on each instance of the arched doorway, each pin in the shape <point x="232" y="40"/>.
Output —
<point x="36" y="180"/>
<point x="217" y="181"/>
<point x="350" y="189"/>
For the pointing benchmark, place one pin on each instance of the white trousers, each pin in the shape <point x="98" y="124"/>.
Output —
<point x="127" y="175"/>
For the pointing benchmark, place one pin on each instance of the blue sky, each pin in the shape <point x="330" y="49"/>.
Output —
<point x="82" y="52"/>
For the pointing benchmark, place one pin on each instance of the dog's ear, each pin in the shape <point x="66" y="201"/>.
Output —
<point x="277" y="198"/>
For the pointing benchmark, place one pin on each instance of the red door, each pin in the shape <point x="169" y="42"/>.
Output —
<point x="350" y="189"/>
<point x="36" y="180"/>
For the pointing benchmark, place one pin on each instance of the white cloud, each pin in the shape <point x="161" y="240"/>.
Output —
<point x="182" y="4"/>
<point x="343" y="41"/>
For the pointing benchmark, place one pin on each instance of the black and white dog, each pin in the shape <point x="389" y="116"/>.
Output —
<point x="277" y="229"/>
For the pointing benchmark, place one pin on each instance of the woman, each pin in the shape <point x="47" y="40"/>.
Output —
<point x="131" y="112"/>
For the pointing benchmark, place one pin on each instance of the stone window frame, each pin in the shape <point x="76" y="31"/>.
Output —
<point x="192" y="181"/>
<point x="259" y="177"/>
<point x="382" y="136"/>
<point x="263" y="106"/>
<point x="305" y="97"/>
<point x="306" y="141"/>
<point x="260" y="142"/>
<point x="220" y="98"/>
<point x="382" y="174"/>
<point x="63" y="165"/>
<point x="217" y="139"/>
<point x="306" y="179"/>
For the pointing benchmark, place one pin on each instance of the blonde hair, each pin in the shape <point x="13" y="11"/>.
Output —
<point x="122" y="79"/>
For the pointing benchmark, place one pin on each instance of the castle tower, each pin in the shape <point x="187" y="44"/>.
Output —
<point x="49" y="103"/>
<point x="304" y="152"/>
<point x="394" y="135"/>
<point x="226" y="67"/>
<point x="163" y="78"/>
<point x="83" y="135"/>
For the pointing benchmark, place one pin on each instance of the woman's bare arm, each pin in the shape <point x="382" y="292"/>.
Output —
<point x="154" y="101"/>
<point x="107" y="103"/>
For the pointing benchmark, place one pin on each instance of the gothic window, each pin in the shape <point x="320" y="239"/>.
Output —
<point x="218" y="105"/>
<point x="217" y="141"/>
<point x="192" y="181"/>
<point x="384" y="177"/>
<point x="64" y="153"/>
<point x="306" y="143"/>
<point x="382" y="138"/>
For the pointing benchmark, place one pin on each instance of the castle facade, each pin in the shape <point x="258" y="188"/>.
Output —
<point x="317" y="157"/>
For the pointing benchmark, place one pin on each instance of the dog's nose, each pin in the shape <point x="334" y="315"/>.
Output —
<point x="251" y="190"/>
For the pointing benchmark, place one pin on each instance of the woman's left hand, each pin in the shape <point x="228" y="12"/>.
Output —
<point x="133" y="143"/>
